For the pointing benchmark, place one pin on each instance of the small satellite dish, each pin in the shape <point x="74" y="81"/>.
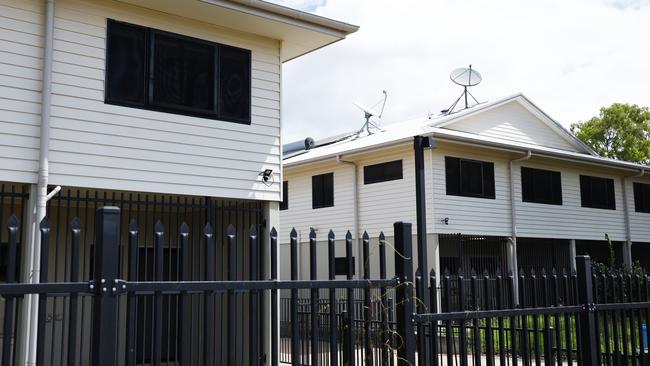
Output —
<point x="466" y="76"/>
<point x="370" y="112"/>
<point x="367" y="110"/>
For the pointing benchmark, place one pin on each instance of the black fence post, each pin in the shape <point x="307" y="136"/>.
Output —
<point x="350" y="349"/>
<point x="254" y="323"/>
<point x="275" y="349"/>
<point x="9" y="300"/>
<point x="587" y="332"/>
<point x="295" y="322"/>
<point x="107" y="240"/>
<point x="42" y="299"/>
<point x="404" y="293"/>
<point x="313" y="272"/>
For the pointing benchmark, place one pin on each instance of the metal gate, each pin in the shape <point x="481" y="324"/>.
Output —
<point x="196" y="305"/>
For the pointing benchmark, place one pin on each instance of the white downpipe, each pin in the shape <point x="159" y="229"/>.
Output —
<point x="626" y="213"/>
<point x="43" y="178"/>
<point x="513" y="218"/>
<point x="355" y="198"/>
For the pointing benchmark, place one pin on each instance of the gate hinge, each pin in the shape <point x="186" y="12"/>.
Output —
<point x="589" y="307"/>
<point x="119" y="287"/>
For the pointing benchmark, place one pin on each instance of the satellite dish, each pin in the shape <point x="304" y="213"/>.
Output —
<point x="367" y="110"/>
<point x="466" y="76"/>
<point x="370" y="112"/>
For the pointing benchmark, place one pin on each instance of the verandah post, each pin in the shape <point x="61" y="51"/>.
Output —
<point x="587" y="332"/>
<point x="107" y="240"/>
<point x="405" y="306"/>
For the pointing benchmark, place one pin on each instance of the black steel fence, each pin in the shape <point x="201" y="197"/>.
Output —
<point x="170" y="297"/>
<point x="168" y="294"/>
<point x="557" y="319"/>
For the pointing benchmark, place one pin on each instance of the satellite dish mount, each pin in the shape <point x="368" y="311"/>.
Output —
<point x="465" y="77"/>
<point x="369" y="112"/>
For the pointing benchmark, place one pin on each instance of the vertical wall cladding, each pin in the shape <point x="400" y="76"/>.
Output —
<point x="21" y="59"/>
<point x="469" y="215"/>
<point x="639" y="221"/>
<point x="106" y="146"/>
<point x="300" y="213"/>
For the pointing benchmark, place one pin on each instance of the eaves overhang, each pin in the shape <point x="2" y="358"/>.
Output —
<point x="299" y="32"/>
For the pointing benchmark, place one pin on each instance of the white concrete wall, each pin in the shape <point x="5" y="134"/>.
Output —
<point x="105" y="146"/>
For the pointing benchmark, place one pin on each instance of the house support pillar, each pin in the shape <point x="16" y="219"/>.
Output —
<point x="511" y="252"/>
<point x="435" y="257"/>
<point x="627" y="253"/>
<point x="572" y="253"/>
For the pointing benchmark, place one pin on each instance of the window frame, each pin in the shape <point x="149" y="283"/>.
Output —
<point x="638" y="204"/>
<point x="284" y="204"/>
<point x="343" y="262"/>
<point x="149" y="80"/>
<point x="530" y="196"/>
<point x="323" y="203"/>
<point x="590" y="203"/>
<point x="384" y="178"/>
<point x="484" y="165"/>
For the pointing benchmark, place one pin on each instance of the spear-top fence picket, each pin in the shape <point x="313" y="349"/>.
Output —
<point x="207" y="305"/>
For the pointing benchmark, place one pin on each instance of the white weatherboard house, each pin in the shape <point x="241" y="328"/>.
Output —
<point x="167" y="109"/>
<point x="520" y="189"/>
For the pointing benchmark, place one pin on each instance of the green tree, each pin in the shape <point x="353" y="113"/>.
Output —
<point x="621" y="131"/>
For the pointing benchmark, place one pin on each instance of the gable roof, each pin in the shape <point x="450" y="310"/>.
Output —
<point x="437" y="126"/>
<point x="521" y="100"/>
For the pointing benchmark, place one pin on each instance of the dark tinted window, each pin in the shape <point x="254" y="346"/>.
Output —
<point x="172" y="73"/>
<point x="322" y="187"/>
<point x="541" y="186"/>
<point x="126" y="64"/>
<point x="183" y="73"/>
<point x="642" y="197"/>
<point x="341" y="266"/>
<point x="235" y="83"/>
<point x="471" y="178"/>
<point x="597" y="192"/>
<point x="383" y="172"/>
<point x="285" y="196"/>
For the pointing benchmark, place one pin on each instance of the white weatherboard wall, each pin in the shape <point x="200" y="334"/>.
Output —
<point x="570" y="220"/>
<point x="512" y="122"/>
<point x="105" y="146"/>
<point x="639" y="221"/>
<point x="470" y="215"/>
<point x="301" y="216"/>
<point x="21" y="59"/>
<point x="382" y="204"/>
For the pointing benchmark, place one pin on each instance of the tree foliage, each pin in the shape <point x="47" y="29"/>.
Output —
<point x="620" y="131"/>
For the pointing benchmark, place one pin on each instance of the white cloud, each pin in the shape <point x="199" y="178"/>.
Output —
<point x="570" y="57"/>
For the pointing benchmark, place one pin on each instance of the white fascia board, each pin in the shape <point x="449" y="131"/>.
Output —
<point x="481" y="141"/>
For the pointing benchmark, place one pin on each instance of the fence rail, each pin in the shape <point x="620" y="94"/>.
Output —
<point x="154" y="294"/>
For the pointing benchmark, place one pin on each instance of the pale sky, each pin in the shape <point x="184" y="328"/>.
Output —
<point x="570" y="57"/>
